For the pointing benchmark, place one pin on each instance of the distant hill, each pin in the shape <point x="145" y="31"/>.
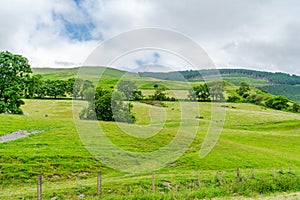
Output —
<point x="292" y="92"/>
<point x="65" y="73"/>
<point x="275" y="83"/>
<point x="269" y="77"/>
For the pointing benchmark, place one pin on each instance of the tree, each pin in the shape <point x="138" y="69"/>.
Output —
<point x="15" y="73"/>
<point x="34" y="84"/>
<point x="55" y="88"/>
<point x="127" y="87"/>
<point x="86" y="86"/>
<point x="41" y="91"/>
<point x="243" y="89"/>
<point x="89" y="94"/>
<point x="199" y="93"/>
<point x="159" y="95"/>
<point x="121" y="111"/>
<point x="103" y="105"/>
<point x="77" y="87"/>
<point x="69" y="86"/>
<point x="108" y="106"/>
<point x="234" y="99"/>
<point x="192" y="96"/>
<point x="296" y="107"/>
<point x="256" y="99"/>
<point x="278" y="103"/>
<point x="137" y="95"/>
<point x="216" y="90"/>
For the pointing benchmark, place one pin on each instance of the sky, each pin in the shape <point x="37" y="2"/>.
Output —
<point x="252" y="34"/>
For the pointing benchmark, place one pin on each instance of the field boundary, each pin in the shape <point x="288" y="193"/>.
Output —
<point x="154" y="183"/>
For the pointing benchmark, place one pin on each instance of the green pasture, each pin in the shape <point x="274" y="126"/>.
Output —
<point x="252" y="137"/>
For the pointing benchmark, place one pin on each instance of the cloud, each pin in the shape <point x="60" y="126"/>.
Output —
<point x="255" y="34"/>
<point x="32" y="28"/>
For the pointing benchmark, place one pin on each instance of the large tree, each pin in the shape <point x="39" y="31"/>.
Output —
<point x="34" y="85"/>
<point x="55" y="88"/>
<point x="216" y="90"/>
<point x="108" y="106"/>
<point x="15" y="73"/>
<point x="127" y="87"/>
<point x="243" y="89"/>
<point x="199" y="93"/>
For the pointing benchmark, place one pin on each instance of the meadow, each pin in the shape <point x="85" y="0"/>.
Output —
<point x="255" y="139"/>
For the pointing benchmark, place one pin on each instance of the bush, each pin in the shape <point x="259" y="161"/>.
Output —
<point x="278" y="103"/>
<point x="234" y="99"/>
<point x="256" y="99"/>
<point x="296" y="107"/>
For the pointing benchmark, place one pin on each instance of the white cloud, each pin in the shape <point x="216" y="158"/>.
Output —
<point x="253" y="34"/>
<point x="28" y="28"/>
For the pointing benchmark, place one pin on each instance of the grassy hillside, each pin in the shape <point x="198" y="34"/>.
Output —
<point x="274" y="83"/>
<point x="270" y="77"/>
<point x="107" y="77"/>
<point x="56" y="73"/>
<point x="253" y="137"/>
<point x="90" y="72"/>
<point x="292" y="92"/>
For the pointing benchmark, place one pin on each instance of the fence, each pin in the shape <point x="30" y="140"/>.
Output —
<point x="154" y="183"/>
<point x="98" y="182"/>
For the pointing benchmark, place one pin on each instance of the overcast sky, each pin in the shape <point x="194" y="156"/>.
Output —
<point x="253" y="34"/>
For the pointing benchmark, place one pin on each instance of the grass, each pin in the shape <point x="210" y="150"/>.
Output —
<point x="253" y="137"/>
<point x="109" y="77"/>
<point x="236" y="79"/>
<point x="176" y="186"/>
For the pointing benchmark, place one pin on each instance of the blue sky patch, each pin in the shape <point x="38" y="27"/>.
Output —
<point x="75" y="31"/>
<point x="154" y="60"/>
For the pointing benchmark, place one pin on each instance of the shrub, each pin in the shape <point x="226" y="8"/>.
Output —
<point x="234" y="99"/>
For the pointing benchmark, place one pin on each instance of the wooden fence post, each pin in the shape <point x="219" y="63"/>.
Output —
<point x="252" y="173"/>
<point x="238" y="174"/>
<point x="39" y="187"/>
<point x="199" y="179"/>
<point x="99" y="184"/>
<point x="274" y="171"/>
<point x="153" y="181"/>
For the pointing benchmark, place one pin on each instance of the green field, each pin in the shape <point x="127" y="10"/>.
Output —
<point x="236" y="79"/>
<point x="253" y="138"/>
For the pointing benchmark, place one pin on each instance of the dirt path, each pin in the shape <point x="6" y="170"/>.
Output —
<point x="17" y="135"/>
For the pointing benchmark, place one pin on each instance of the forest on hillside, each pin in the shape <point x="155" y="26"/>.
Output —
<point x="187" y="75"/>
<point x="292" y="92"/>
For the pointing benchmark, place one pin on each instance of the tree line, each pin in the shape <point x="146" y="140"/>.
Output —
<point x="270" y="77"/>
<point x="212" y="91"/>
<point x="114" y="104"/>
<point x="262" y="98"/>
<point x="18" y="82"/>
<point x="292" y="92"/>
<point x="73" y="87"/>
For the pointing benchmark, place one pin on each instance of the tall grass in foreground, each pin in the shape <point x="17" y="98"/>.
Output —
<point x="181" y="186"/>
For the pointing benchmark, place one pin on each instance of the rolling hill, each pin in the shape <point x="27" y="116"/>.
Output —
<point x="274" y="83"/>
<point x="254" y="138"/>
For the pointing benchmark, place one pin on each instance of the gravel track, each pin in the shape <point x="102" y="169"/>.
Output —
<point x="17" y="135"/>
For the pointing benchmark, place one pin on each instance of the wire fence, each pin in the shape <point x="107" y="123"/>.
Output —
<point x="99" y="185"/>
